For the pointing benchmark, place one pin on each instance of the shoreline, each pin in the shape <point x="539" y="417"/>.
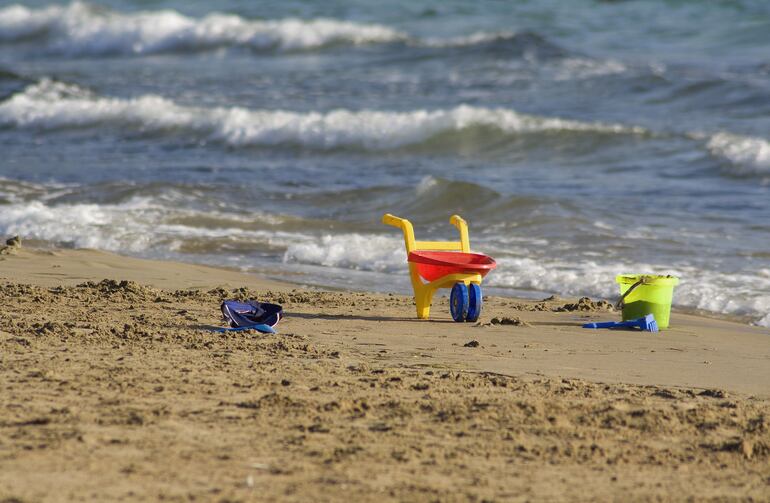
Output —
<point x="233" y="274"/>
<point x="55" y="268"/>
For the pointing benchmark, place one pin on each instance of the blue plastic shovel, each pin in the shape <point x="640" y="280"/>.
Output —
<point x="646" y="323"/>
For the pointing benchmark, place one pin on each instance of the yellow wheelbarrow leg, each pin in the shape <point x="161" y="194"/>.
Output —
<point x="423" y="298"/>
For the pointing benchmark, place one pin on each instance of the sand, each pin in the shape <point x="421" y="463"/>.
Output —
<point x="112" y="389"/>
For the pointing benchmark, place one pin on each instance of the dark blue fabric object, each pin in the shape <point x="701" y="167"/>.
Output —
<point x="260" y="316"/>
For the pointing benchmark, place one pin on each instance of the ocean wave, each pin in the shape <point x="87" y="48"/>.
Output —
<point x="107" y="227"/>
<point x="18" y="191"/>
<point x="575" y="68"/>
<point x="51" y="105"/>
<point x="81" y="29"/>
<point x="369" y="252"/>
<point x="142" y="225"/>
<point x="507" y="43"/>
<point x="747" y="155"/>
<point x="474" y="39"/>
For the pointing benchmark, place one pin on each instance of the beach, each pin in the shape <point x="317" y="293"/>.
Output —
<point x="114" y="389"/>
<point x="158" y="158"/>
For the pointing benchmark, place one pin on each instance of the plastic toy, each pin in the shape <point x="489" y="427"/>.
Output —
<point x="642" y="294"/>
<point x="445" y="264"/>
<point x="645" y="323"/>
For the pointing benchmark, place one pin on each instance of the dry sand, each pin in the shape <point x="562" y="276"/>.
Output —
<point x="112" y="390"/>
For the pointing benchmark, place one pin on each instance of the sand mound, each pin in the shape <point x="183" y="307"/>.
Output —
<point x="585" y="304"/>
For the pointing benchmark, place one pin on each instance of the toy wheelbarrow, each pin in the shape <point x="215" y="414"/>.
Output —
<point x="445" y="264"/>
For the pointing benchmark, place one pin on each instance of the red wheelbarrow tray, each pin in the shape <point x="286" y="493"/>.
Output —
<point x="432" y="265"/>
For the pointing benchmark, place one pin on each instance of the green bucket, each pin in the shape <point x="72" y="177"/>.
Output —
<point x="644" y="294"/>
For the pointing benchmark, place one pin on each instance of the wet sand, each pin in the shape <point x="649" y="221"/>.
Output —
<point x="112" y="389"/>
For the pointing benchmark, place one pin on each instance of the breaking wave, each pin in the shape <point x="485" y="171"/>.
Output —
<point x="51" y="105"/>
<point x="504" y="43"/>
<point x="747" y="155"/>
<point x="81" y="29"/>
<point x="352" y="251"/>
<point x="144" y="225"/>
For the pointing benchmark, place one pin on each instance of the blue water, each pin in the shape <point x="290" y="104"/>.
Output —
<point x="579" y="139"/>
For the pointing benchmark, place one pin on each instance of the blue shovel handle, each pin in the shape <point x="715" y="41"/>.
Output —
<point x="612" y="324"/>
<point x="646" y="323"/>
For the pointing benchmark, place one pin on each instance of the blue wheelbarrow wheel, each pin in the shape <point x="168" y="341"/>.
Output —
<point x="474" y="303"/>
<point x="458" y="302"/>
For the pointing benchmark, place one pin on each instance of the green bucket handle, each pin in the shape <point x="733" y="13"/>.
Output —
<point x="620" y="303"/>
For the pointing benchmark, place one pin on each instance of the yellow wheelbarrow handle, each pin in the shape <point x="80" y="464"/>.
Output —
<point x="393" y="220"/>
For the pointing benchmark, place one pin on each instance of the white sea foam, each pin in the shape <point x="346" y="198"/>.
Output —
<point x="748" y="155"/>
<point x="476" y="38"/>
<point x="109" y="227"/>
<point x="426" y="184"/>
<point x="138" y="225"/>
<point x="352" y="251"/>
<point x="49" y="105"/>
<point x="80" y="29"/>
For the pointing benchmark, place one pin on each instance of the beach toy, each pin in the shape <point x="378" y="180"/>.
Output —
<point x="643" y="294"/>
<point x="445" y="264"/>
<point x="646" y="323"/>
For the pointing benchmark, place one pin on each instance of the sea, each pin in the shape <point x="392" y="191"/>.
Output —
<point x="579" y="139"/>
